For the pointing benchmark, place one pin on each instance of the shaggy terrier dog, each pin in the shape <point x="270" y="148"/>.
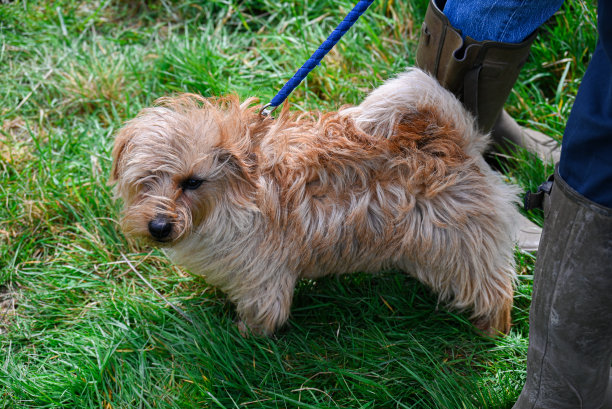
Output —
<point x="255" y="204"/>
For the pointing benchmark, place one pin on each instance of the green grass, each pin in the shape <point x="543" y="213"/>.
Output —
<point x="78" y="329"/>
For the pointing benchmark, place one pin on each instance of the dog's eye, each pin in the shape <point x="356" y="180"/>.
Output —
<point x="191" y="183"/>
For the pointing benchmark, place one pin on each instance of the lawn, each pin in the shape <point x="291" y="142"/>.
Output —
<point x="80" y="329"/>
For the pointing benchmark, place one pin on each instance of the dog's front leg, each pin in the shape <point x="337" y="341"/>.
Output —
<point x="264" y="307"/>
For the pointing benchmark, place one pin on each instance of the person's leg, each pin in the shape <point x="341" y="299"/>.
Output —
<point x="570" y="320"/>
<point x="570" y="336"/>
<point x="480" y="68"/>
<point x="586" y="161"/>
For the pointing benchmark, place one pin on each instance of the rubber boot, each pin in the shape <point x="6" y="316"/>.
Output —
<point x="570" y="337"/>
<point x="508" y="135"/>
<point x="481" y="74"/>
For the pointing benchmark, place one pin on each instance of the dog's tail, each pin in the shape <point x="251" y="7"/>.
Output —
<point x="402" y="99"/>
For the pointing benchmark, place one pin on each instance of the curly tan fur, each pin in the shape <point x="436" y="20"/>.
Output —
<point x="396" y="182"/>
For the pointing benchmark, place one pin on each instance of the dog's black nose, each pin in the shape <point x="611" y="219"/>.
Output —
<point x="160" y="228"/>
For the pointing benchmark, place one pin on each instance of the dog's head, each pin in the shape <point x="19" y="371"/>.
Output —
<point x="175" y="162"/>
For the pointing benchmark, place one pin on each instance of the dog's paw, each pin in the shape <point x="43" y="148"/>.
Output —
<point x="494" y="326"/>
<point x="485" y="328"/>
<point x="251" y="330"/>
<point x="244" y="330"/>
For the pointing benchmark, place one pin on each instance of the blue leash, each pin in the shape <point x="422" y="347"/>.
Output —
<point x="316" y="58"/>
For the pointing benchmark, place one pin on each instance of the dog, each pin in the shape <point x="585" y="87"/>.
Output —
<point x="254" y="204"/>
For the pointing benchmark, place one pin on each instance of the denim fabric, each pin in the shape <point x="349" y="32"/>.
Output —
<point x="586" y="154"/>
<point x="507" y="21"/>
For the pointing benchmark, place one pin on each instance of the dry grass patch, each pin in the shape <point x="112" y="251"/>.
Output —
<point x="8" y="306"/>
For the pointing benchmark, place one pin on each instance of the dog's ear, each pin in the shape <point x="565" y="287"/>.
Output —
<point x="121" y="142"/>
<point x="238" y="172"/>
<point x="236" y="165"/>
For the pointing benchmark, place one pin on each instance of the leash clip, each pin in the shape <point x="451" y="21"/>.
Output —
<point x="266" y="110"/>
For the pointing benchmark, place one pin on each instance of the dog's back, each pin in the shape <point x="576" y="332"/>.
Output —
<point x="414" y="95"/>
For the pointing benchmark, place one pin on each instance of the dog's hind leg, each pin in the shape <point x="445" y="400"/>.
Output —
<point x="469" y="269"/>
<point x="488" y="297"/>
<point x="492" y="308"/>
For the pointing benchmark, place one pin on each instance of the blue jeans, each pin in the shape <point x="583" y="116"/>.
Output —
<point x="507" y="21"/>
<point x="586" y="154"/>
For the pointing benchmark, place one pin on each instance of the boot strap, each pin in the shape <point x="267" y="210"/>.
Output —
<point x="535" y="200"/>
